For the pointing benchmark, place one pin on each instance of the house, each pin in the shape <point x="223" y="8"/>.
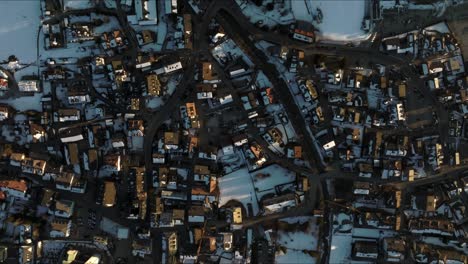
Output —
<point x="26" y="254"/>
<point x="237" y="215"/>
<point x="48" y="197"/>
<point x="28" y="86"/>
<point x="78" y="97"/>
<point x="153" y="85"/>
<point x="3" y="81"/>
<point x="79" y="185"/>
<point x="141" y="247"/>
<point x="14" y="188"/>
<point x="16" y="159"/>
<point x="191" y="110"/>
<point x="208" y="75"/>
<point x="171" y="140"/>
<point x="240" y="139"/>
<point x="52" y="171"/>
<point x="169" y="68"/>
<point x="64" y="180"/>
<point x="33" y="166"/>
<point x="188" y="31"/>
<point x="5" y="112"/>
<point x="60" y="228"/>
<point x="67" y="115"/>
<point x="62" y="208"/>
<point x="196" y="214"/>
<point x="73" y="155"/>
<point x="37" y="133"/>
<point x="146" y="12"/>
<point x="171" y="242"/>
<point x="158" y="158"/>
<point x="433" y="225"/>
<point x="112" y="162"/>
<point x="394" y="249"/>
<point x="279" y="203"/>
<point x="227" y="240"/>
<point x="109" y="195"/>
<point x="71" y="135"/>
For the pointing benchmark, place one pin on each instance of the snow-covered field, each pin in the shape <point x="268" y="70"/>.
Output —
<point x="19" y="24"/>
<point x="341" y="20"/>
<point x="25" y="103"/>
<point x="297" y="243"/>
<point x="340" y="251"/>
<point x="246" y="187"/>
<point x="267" y="178"/>
<point x="238" y="186"/>
<point x="260" y="14"/>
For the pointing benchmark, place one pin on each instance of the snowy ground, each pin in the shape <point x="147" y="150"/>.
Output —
<point x="340" y="251"/>
<point x="267" y="178"/>
<point x="238" y="186"/>
<point x="19" y="24"/>
<point x="341" y="19"/>
<point x="25" y="103"/>
<point x="298" y="241"/>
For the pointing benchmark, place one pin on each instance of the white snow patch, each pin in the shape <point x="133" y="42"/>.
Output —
<point x="298" y="241"/>
<point x="340" y="249"/>
<point x="238" y="186"/>
<point x="267" y="178"/>
<point x="341" y="20"/>
<point x="25" y="103"/>
<point x="19" y="24"/>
